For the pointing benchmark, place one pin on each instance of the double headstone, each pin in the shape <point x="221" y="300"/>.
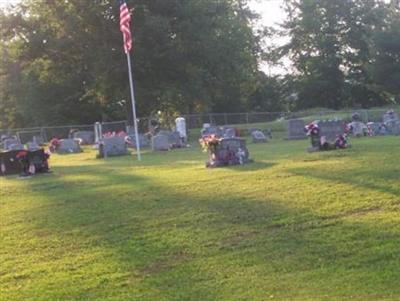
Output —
<point x="68" y="146"/>
<point x="296" y="129"/>
<point x="113" y="146"/>
<point x="331" y="129"/>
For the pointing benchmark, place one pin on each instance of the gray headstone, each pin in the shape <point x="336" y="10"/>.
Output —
<point x="32" y="146"/>
<point x="390" y="116"/>
<point x="212" y="130"/>
<point x="258" y="137"/>
<point x="160" y="142"/>
<point x="296" y="129"/>
<point x="175" y="139"/>
<point x="331" y="128"/>
<point x="114" y="146"/>
<point x="87" y="137"/>
<point x="358" y="128"/>
<point x="143" y="141"/>
<point x="68" y="146"/>
<point x="229" y="133"/>
<point x="391" y="121"/>
<point x="12" y="144"/>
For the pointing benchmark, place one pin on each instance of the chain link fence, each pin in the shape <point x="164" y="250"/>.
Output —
<point x="275" y="121"/>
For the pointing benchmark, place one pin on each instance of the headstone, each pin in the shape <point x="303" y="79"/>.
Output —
<point x="258" y="137"/>
<point x="68" y="146"/>
<point x="160" y="142"/>
<point x="229" y="151"/>
<point x="113" y="146"/>
<point x="180" y="124"/>
<point x="296" y="129"/>
<point x="390" y="116"/>
<point x="358" y="128"/>
<point x="356" y="116"/>
<point x="86" y="137"/>
<point x="12" y="144"/>
<point x="175" y="139"/>
<point x="143" y="140"/>
<point x="331" y="129"/>
<point x="229" y="133"/>
<point x="211" y="130"/>
<point x="32" y="146"/>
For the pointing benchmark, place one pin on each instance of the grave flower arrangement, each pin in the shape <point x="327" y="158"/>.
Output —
<point x="54" y="144"/>
<point x="341" y="141"/>
<point x="209" y="143"/>
<point x="312" y="129"/>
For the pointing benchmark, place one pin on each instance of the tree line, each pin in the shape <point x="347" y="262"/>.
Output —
<point x="62" y="62"/>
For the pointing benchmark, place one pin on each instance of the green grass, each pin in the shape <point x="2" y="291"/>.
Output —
<point x="291" y="226"/>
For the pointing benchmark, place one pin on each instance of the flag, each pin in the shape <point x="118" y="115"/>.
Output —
<point x="124" y="25"/>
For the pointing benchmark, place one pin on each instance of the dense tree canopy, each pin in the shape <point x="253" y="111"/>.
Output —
<point x="333" y="46"/>
<point x="62" y="62"/>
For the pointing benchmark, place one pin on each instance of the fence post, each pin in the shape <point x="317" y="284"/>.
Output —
<point x="225" y="119"/>
<point x="247" y="118"/>
<point x="44" y="135"/>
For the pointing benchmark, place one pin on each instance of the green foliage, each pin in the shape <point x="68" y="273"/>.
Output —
<point x="193" y="56"/>
<point x="290" y="226"/>
<point x="385" y="68"/>
<point x="331" y="44"/>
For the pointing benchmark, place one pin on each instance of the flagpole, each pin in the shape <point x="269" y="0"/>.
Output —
<point x="133" y="107"/>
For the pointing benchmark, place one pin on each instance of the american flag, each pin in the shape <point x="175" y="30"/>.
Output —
<point x="124" y="25"/>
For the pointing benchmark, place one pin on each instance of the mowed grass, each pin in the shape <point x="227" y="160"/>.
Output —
<point x="290" y="226"/>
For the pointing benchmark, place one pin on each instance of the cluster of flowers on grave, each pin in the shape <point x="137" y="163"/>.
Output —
<point x="312" y="129"/>
<point x="209" y="143"/>
<point x="341" y="141"/>
<point x="54" y="144"/>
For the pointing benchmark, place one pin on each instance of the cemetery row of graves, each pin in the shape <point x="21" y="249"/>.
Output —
<point x="224" y="145"/>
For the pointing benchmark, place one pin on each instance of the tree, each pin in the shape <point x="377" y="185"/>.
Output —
<point x="385" y="67"/>
<point x="189" y="56"/>
<point x="330" y="48"/>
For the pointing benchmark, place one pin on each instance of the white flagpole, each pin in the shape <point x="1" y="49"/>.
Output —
<point x="133" y="107"/>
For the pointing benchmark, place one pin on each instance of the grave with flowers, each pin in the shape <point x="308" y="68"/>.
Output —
<point x="225" y="151"/>
<point x="326" y="135"/>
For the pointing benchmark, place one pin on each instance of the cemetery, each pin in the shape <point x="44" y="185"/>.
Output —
<point x="230" y="150"/>
<point x="234" y="216"/>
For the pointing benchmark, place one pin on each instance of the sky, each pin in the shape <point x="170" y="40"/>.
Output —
<point x="269" y="9"/>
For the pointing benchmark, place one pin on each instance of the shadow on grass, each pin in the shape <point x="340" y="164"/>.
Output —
<point x="368" y="179"/>
<point x="192" y="246"/>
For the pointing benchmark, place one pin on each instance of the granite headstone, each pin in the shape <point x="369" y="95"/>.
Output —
<point x="258" y="137"/>
<point x="86" y="137"/>
<point x="68" y="146"/>
<point x="160" y="142"/>
<point x="296" y="129"/>
<point x="113" y="146"/>
<point x="331" y="129"/>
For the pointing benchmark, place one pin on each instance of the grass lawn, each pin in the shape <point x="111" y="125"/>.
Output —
<point x="291" y="226"/>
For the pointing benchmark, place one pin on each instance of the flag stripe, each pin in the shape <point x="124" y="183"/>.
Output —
<point x="124" y="25"/>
